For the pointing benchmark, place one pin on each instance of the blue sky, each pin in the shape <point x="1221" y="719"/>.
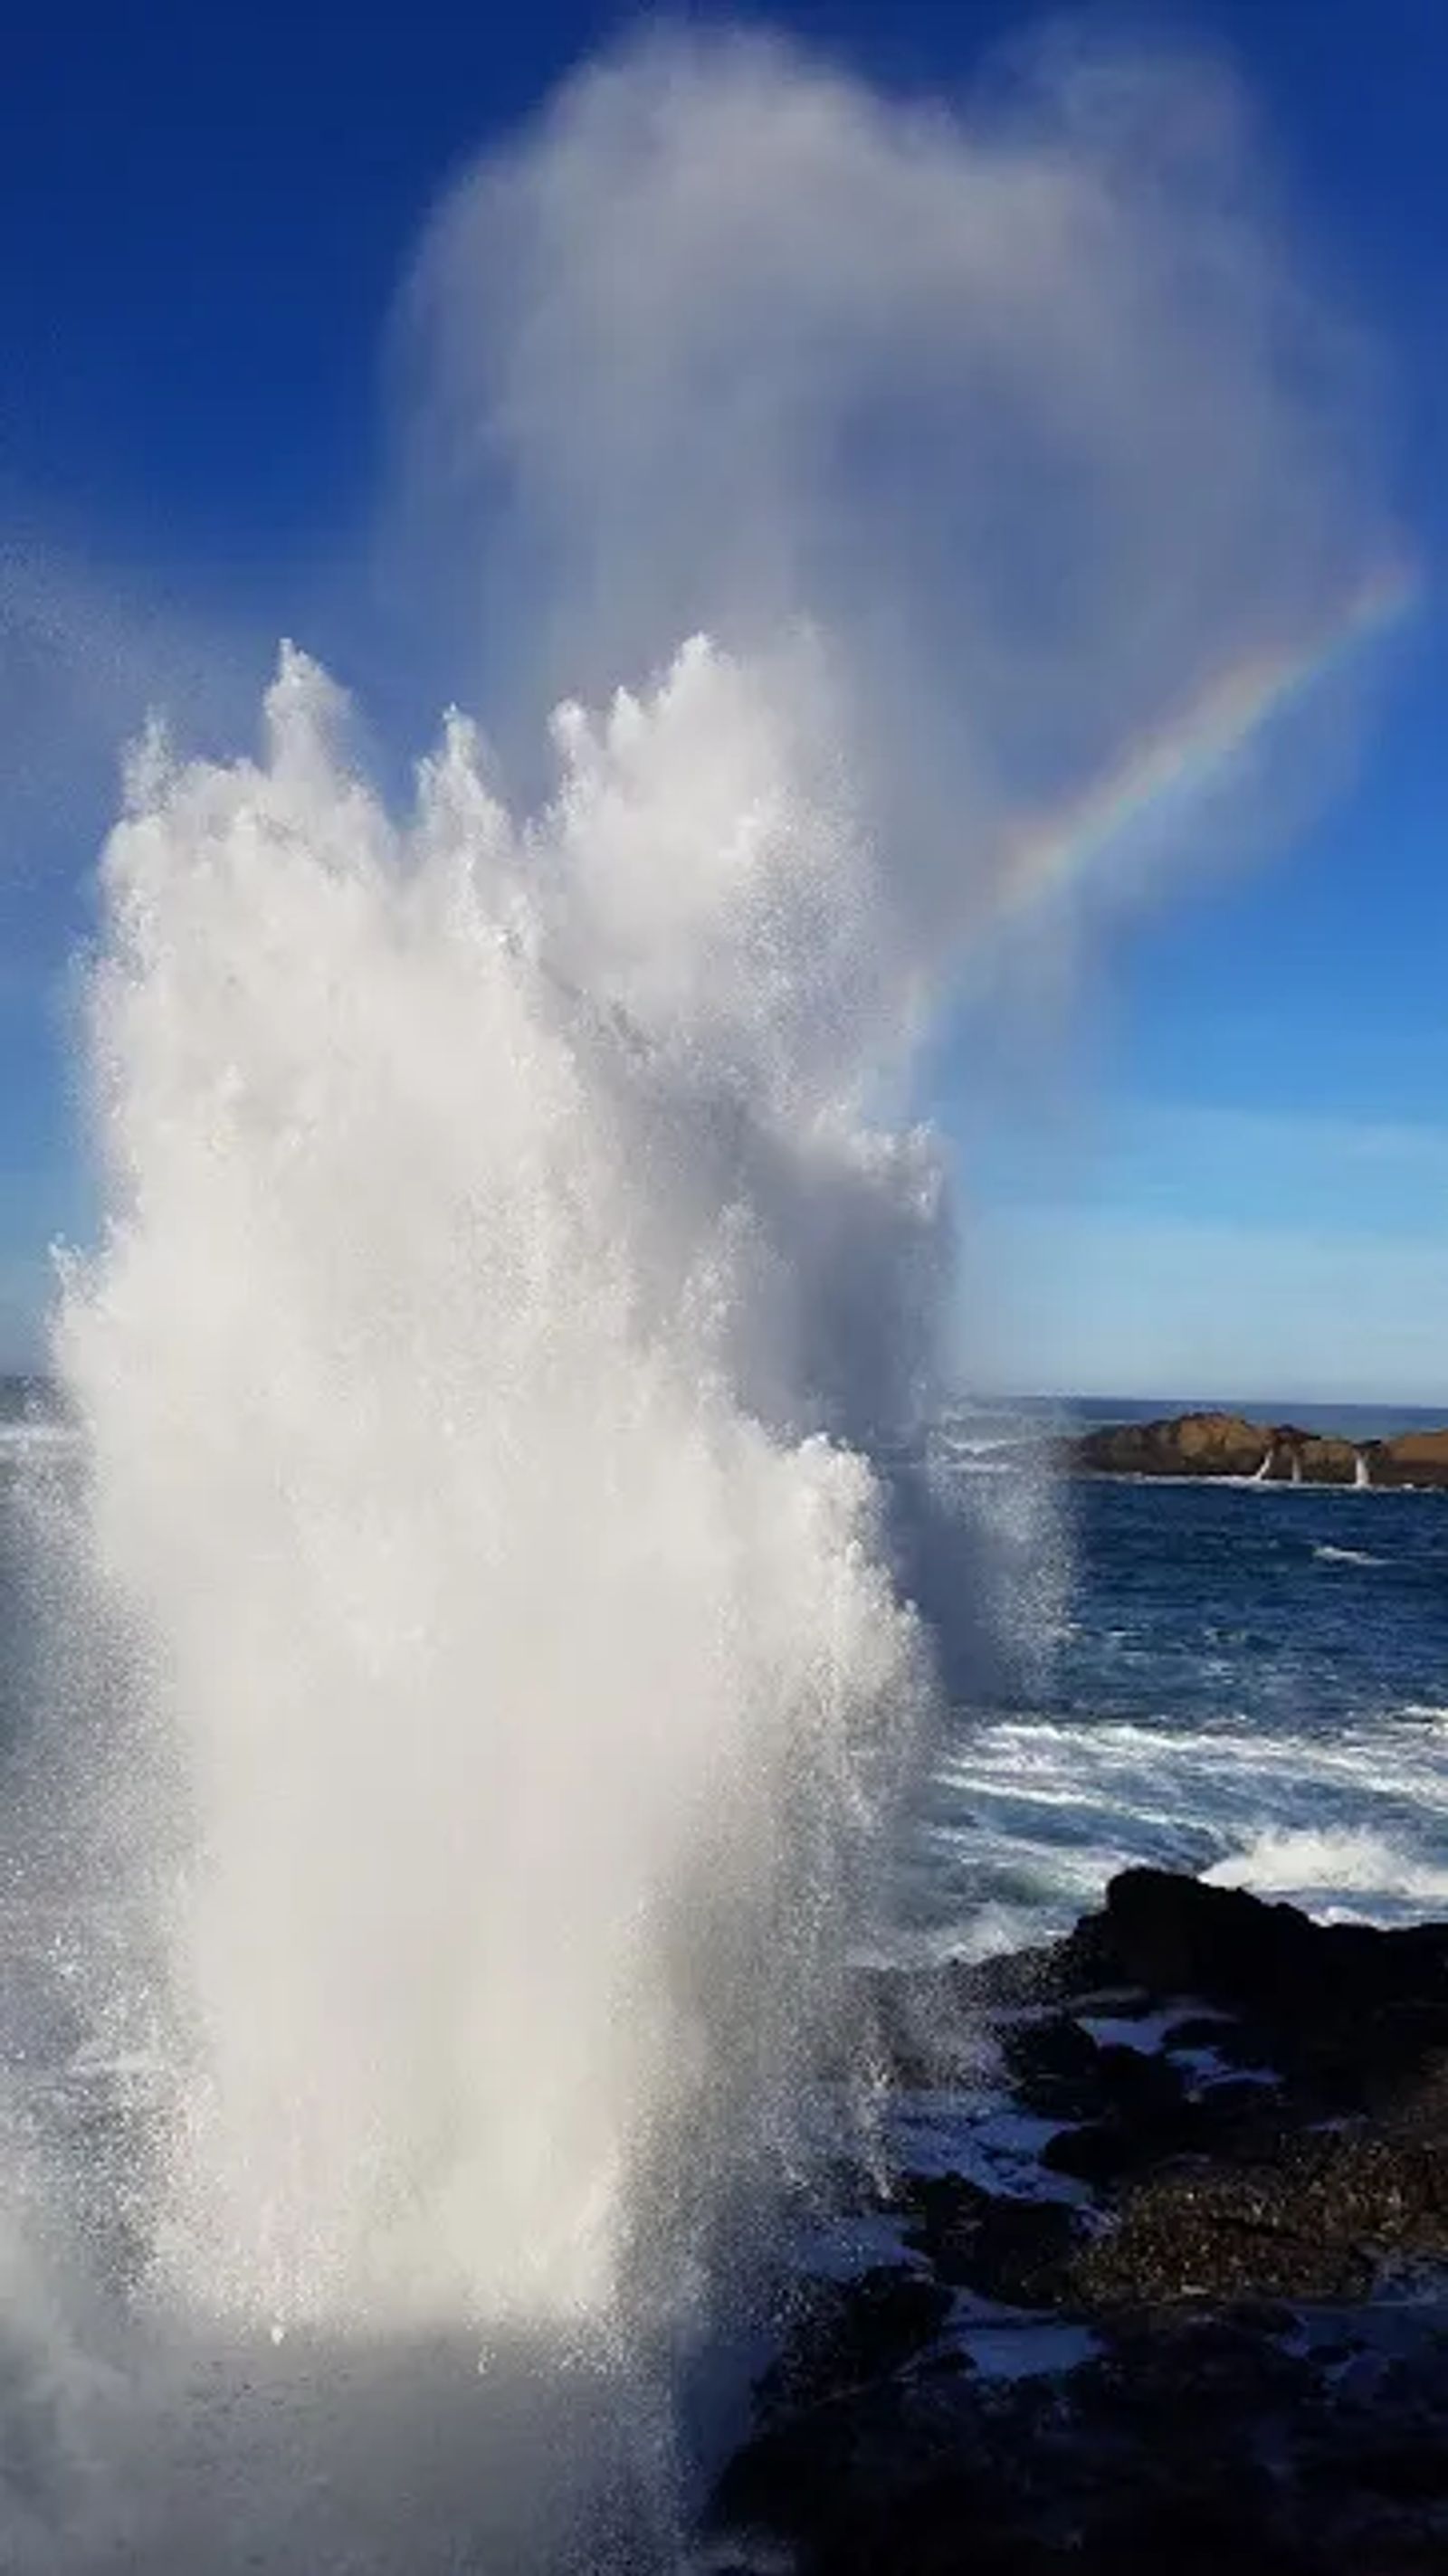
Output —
<point x="1241" y="1186"/>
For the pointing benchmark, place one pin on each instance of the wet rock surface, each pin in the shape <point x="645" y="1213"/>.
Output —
<point x="1006" y="2248"/>
<point x="1203" y="2319"/>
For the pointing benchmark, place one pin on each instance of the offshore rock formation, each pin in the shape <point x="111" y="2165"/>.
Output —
<point x="1189" y="1444"/>
<point x="1414" y="1458"/>
<point x="1227" y="1444"/>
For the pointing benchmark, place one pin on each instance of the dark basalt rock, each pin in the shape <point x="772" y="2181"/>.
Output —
<point x="843" y="2334"/>
<point x="820" y="2475"/>
<point x="1054" y="2067"/>
<point x="1229" y="2037"/>
<point x="1223" y="2222"/>
<point x="1192" y="2442"/>
<point x="1101" y="2153"/>
<point x="1222" y="2236"/>
<point x="1177" y="1936"/>
<point x="1061" y="2071"/>
<point x="1230" y="2121"/>
<point x="1341" y="2007"/>
<point x="1301" y="1982"/>
<point x="1348" y="2015"/>
<point x="1017" y="2251"/>
<point x="1139" y="2085"/>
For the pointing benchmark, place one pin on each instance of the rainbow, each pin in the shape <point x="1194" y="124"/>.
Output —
<point x="1179" y="760"/>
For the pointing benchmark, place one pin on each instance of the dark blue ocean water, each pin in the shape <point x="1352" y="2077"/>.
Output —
<point x="1247" y="1680"/>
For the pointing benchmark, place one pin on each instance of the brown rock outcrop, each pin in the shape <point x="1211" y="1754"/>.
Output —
<point x="1413" y="1458"/>
<point x="1323" y="1460"/>
<point x="1189" y="1444"/>
<point x="1227" y="1444"/>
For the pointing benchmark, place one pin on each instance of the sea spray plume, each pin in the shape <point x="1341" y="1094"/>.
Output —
<point x="526" y="1688"/>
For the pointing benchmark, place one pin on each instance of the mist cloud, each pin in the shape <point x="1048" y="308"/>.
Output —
<point x="1027" y="409"/>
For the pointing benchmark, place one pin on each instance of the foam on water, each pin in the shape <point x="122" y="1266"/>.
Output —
<point x="1337" y="1875"/>
<point x="1032" y="1816"/>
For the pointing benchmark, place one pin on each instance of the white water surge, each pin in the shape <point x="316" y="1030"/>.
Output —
<point x="524" y="1674"/>
<point x="510" y="1241"/>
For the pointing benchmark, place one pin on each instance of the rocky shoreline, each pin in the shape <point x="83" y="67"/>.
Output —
<point x="1227" y="1444"/>
<point x="1167" y="2284"/>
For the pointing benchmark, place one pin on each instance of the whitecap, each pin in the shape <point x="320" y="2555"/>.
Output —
<point x="1344" y="1872"/>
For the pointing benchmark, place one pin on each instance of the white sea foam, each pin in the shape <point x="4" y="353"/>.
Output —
<point x="1032" y="1816"/>
<point x="1347" y="1872"/>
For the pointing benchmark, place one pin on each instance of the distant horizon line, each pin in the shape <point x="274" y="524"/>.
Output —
<point x="1277" y="1408"/>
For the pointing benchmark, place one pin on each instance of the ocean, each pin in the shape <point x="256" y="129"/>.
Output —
<point x="1246" y="1681"/>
